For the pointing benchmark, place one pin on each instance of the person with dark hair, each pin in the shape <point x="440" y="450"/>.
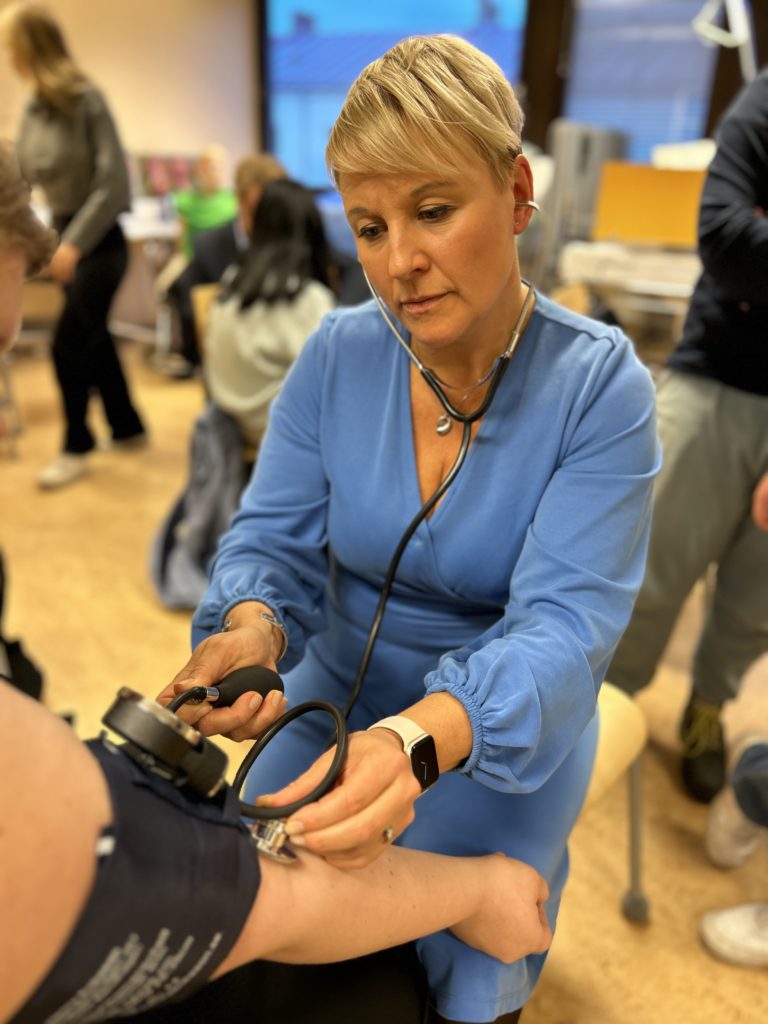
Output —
<point x="69" y="146"/>
<point x="214" y="251"/>
<point x="275" y="298"/>
<point x="122" y="890"/>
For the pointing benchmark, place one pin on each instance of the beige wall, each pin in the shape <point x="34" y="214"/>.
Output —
<point x="177" y="73"/>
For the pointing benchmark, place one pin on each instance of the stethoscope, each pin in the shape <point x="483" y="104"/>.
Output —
<point x="499" y="369"/>
<point x="163" y="743"/>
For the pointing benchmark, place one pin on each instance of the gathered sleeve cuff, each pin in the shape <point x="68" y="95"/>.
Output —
<point x="530" y="683"/>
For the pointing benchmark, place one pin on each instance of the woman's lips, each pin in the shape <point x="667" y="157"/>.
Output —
<point x="424" y="305"/>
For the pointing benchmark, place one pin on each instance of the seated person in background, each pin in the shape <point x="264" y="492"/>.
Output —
<point x="120" y="891"/>
<point x="208" y="203"/>
<point x="215" y="249"/>
<point x="270" y="303"/>
<point x="205" y="205"/>
<point x="274" y="301"/>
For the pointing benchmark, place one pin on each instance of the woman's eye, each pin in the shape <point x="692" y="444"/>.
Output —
<point x="369" y="231"/>
<point x="434" y="212"/>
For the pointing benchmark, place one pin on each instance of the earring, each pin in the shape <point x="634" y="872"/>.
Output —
<point x="530" y="203"/>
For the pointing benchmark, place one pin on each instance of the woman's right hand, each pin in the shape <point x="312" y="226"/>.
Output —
<point x="510" y="922"/>
<point x="250" y="643"/>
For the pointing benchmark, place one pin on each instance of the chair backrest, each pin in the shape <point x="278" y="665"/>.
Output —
<point x="202" y="297"/>
<point x="623" y="734"/>
<point x="638" y="204"/>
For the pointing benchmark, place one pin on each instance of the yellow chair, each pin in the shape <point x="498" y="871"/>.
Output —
<point x="666" y="217"/>
<point x="621" y="741"/>
<point x="202" y="296"/>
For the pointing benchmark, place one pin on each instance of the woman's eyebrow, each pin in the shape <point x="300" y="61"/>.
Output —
<point x="429" y="185"/>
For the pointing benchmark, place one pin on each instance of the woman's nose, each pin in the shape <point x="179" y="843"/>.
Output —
<point x="406" y="255"/>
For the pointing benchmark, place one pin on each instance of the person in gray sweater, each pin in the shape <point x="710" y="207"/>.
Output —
<point x="68" y="145"/>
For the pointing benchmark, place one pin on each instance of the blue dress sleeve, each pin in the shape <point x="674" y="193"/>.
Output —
<point x="275" y="549"/>
<point x="530" y="683"/>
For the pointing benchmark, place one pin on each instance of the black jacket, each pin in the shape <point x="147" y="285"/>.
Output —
<point x="725" y="336"/>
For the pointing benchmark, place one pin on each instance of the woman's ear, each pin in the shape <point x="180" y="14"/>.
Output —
<point x="522" y="187"/>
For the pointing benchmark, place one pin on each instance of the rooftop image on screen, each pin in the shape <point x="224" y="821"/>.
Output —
<point x="638" y="66"/>
<point x="316" y="48"/>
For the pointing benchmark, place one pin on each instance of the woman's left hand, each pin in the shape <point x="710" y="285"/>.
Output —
<point x="64" y="263"/>
<point x="374" y="793"/>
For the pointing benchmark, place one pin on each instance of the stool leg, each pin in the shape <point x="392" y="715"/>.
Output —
<point x="635" y="904"/>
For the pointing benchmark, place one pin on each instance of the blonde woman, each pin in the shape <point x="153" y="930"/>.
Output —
<point x="68" y="145"/>
<point x="479" y="695"/>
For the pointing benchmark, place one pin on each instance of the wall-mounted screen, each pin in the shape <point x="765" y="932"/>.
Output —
<point x="316" y="48"/>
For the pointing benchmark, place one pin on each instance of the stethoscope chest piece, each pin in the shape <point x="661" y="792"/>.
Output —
<point x="270" y="838"/>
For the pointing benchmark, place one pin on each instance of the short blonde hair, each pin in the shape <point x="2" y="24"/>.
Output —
<point x="35" y="37"/>
<point x="429" y="97"/>
<point x="19" y="227"/>
<point x="257" y="169"/>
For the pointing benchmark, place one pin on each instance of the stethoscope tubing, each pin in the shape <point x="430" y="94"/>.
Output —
<point x="341" y="718"/>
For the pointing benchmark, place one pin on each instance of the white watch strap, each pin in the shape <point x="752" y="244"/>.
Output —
<point x="408" y="731"/>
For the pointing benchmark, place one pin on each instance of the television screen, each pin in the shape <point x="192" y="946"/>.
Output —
<point x="316" y="48"/>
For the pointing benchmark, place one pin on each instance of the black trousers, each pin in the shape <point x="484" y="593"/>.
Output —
<point x="384" y="988"/>
<point x="84" y="352"/>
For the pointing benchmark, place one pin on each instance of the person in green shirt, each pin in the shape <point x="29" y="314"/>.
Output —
<point x="208" y="203"/>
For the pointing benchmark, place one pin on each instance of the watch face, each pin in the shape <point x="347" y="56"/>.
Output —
<point x="424" y="762"/>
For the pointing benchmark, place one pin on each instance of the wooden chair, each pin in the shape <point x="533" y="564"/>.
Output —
<point x="621" y="741"/>
<point x="202" y="296"/>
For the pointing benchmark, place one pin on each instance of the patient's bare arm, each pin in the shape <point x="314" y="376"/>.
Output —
<point x="55" y="804"/>
<point x="492" y="903"/>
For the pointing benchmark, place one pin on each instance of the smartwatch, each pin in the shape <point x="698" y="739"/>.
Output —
<point x="417" y="744"/>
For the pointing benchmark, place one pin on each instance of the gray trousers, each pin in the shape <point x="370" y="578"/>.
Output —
<point x="715" y="447"/>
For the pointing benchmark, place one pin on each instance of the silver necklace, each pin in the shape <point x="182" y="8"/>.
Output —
<point x="444" y="421"/>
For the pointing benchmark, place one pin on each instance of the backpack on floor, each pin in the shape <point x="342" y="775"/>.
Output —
<point x="186" y="541"/>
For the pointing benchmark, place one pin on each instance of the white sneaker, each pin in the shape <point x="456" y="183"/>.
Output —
<point x="731" y="837"/>
<point x="738" y="935"/>
<point x="65" y="469"/>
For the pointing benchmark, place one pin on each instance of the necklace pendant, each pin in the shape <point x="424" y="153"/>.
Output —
<point x="444" y="424"/>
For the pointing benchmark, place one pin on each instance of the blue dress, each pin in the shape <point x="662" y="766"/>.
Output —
<point x="511" y="597"/>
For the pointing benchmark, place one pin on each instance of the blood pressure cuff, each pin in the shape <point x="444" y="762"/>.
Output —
<point x="176" y="879"/>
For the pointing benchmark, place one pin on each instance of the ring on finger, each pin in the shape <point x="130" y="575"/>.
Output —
<point x="388" y="834"/>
